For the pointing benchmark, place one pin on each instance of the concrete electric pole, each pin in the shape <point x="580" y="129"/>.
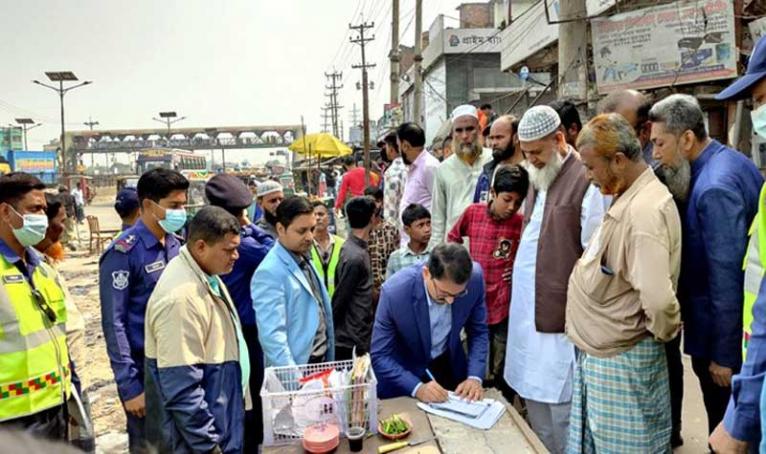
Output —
<point x="418" y="90"/>
<point x="362" y="41"/>
<point x="573" y="74"/>
<point x="394" y="55"/>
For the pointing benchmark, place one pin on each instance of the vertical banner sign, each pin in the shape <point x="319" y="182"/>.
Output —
<point x="674" y="44"/>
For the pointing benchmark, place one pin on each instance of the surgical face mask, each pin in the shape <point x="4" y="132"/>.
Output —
<point x="759" y="120"/>
<point x="174" y="219"/>
<point x="32" y="230"/>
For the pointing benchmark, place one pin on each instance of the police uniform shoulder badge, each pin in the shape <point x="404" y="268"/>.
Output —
<point x="125" y="243"/>
<point x="120" y="279"/>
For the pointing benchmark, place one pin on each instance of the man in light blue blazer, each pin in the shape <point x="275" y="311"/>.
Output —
<point x="416" y="348"/>
<point x="292" y="308"/>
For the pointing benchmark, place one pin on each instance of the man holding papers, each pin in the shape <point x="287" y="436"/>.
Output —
<point x="416" y="349"/>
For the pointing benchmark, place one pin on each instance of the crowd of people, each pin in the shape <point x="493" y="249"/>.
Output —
<point x="555" y="261"/>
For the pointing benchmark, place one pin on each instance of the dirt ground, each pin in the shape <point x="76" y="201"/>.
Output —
<point x="81" y="272"/>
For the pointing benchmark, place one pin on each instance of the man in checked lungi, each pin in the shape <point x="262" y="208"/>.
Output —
<point x="621" y="302"/>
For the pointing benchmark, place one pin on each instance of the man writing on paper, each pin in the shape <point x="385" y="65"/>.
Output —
<point x="416" y="348"/>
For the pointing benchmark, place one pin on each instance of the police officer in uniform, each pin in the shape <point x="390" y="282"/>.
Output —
<point x="231" y="194"/>
<point x="35" y="375"/>
<point x="128" y="272"/>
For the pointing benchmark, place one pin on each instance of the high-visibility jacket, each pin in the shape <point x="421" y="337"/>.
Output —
<point x="755" y="264"/>
<point x="327" y="273"/>
<point x="34" y="361"/>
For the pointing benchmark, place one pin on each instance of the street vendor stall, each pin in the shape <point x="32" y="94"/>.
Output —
<point x="333" y="406"/>
<point x="318" y="146"/>
<point x="443" y="436"/>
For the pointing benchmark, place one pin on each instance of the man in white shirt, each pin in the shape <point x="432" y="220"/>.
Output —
<point x="561" y="213"/>
<point x="456" y="177"/>
<point x="79" y="201"/>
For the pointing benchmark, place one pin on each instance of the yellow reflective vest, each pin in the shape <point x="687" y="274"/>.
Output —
<point x="755" y="264"/>
<point x="327" y="273"/>
<point x="34" y="361"/>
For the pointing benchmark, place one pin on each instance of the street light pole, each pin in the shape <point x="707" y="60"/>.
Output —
<point x="25" y="122"/>
<point x="61" y="77"/>
<point x="168" y="118"/>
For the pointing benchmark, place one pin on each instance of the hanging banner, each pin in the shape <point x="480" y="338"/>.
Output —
<point x="673" y="44"/>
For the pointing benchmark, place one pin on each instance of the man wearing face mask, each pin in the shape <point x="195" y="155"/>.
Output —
<point x="129" y="269"/>
<point x="743" y="423"/>
<point x="716" y="188"/>
<point x="505" y="151"/>
<point x="32" y="316"/>
<point x="456" y="177"/>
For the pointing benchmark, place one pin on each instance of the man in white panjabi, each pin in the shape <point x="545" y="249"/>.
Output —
<point x="455" y="179"/>
<point x="561" y="213"/>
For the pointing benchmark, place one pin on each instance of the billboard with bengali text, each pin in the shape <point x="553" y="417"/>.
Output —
<point x="674" y="44"/>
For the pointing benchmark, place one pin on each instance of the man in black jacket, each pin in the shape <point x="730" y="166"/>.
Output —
<point x="352" y="301"/>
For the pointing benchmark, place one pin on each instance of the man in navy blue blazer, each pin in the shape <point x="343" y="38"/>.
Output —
<point x="416" y="348"/>
<point x="716" y="189"/>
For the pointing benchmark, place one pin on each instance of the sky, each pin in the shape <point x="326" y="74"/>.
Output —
<point x="227" y="62"/>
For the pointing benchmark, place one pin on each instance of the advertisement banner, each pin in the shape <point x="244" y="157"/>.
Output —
<point x="673" y="44"/>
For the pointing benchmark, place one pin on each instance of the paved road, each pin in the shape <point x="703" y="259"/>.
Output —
<point x="694" y="419"/>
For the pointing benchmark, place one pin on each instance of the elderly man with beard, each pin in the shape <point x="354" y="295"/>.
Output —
<point x="621" y="301"/>
<point x="269" y="195"/>
<point x="716" y="188"/>
<point x="634" y="107"/>
<point x="561" y="213"/>
<point x="456" y="178"/>
<point x="505" y="150"/>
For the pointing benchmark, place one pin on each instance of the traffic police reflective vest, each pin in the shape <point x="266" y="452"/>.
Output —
<point x="755" y="264"/>
<point x="327" y="274"/>
<point x="34" y="361"/>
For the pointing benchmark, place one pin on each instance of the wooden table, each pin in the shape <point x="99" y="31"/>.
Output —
<point x="510" y="434"/>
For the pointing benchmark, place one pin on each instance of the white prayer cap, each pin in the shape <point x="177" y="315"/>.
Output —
<point x="267" y="187"/>
<point x="465" y="110"/>
<point x="538" y="122"/>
